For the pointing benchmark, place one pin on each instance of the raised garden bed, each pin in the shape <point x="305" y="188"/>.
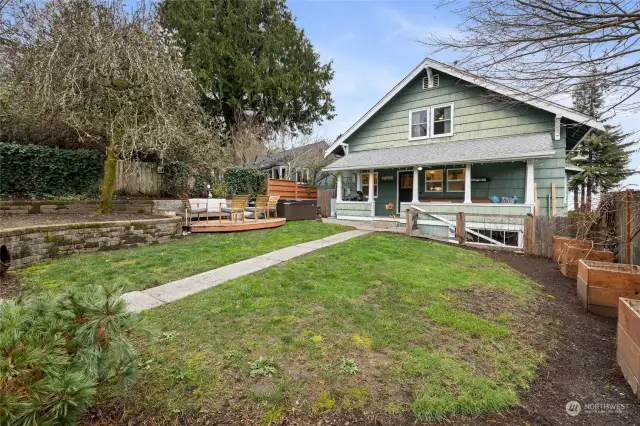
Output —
<point x="572" y="253"/>
<point x="601" y="284"/>
<point x="628" y="342"/>
<point x="558" y="244"/>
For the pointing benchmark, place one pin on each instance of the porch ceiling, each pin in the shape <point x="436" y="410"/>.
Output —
<point x="505" y="148"/>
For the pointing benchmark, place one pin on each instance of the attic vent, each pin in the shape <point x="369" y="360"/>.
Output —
<point x="436" y="82"/>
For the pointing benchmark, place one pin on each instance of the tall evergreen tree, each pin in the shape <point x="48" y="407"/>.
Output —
<point x="251" y="59"/>
<point x="604" y="156"/>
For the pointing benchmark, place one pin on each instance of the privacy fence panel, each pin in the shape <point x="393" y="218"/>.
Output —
<point x="138" y="178"/>
<point x="324" y="200"/>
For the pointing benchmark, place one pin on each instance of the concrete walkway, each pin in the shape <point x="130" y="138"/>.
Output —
<point x="138" y="301"/>
<point x="384" y="225"/>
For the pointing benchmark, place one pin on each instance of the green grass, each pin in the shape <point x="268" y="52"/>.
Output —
<point x="145" y="267"/>
<point x="433" y="330"/>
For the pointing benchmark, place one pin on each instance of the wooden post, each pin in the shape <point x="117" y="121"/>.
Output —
<point x="460" y="232"/>
<point x="535" y="199"/>
<point x="627" y="227"/>
<point x="408" y="224"/>
<point x="529" y="241"/>
<point x="553" y="199"/>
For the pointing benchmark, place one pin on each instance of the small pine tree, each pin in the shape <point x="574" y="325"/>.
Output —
<point x="56" y="350"/>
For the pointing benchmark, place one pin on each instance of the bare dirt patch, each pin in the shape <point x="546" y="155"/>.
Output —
<point x="10" y="287"/>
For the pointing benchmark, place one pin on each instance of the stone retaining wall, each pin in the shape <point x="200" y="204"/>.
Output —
<point x="81" y="206"/>
<point x="35" y="243"/>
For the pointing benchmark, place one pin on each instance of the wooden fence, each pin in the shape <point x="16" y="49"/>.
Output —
<point x="138" y="178"/>
<point x="324" y="200"/>
<point x="290" y="189"/>
<point x="618" y="231"/>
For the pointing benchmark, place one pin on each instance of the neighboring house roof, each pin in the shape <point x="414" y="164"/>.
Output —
<point x="280" y="158"/>
<point x="532" y="100"/>
<point x="533" y="145"/>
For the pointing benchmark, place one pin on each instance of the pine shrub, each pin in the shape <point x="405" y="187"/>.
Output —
<point x="55" y="350"/>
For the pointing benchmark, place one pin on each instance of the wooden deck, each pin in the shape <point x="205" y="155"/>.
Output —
<point x="227" y="226"/>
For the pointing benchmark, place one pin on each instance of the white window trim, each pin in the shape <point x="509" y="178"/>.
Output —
<point x="456" y="180"/>
<point x="431" y="115"/>
<point x="428" y="110"/>
<point x="375" y="175"/>
<point x="442" y="180"/>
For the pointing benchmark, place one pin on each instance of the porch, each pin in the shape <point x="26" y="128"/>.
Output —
<point x="468" y="188"/>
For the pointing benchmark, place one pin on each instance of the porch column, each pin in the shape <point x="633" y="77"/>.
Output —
<point x="358" y="182"/>
<point x="339" y="187"/>
<point x="528" y="197"/>
<point x="415" y="198"/>
<point x="371" y="186"/>
<point x="467" y="184"/>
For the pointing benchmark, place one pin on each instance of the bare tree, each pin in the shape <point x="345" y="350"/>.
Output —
<point x="548" y="46"/>
<point x="112" y="77"/>
<point x="248" y="138"/>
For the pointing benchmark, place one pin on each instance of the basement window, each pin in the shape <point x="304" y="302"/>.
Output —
<point x="509" y="238"/>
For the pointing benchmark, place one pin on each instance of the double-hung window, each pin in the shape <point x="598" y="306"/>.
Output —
<point x="432" y="122"/>
<point x="455" y="180"/>
<point x="365" y="184"/>
<point x="433" y="180"/>
<point x="419" y="124"/>
<point x="442" y="120"/>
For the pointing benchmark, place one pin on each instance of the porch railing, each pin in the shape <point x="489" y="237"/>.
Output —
<point x="504" y="231"/>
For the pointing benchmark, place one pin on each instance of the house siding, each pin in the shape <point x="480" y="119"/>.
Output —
<point x="476" y="116"/>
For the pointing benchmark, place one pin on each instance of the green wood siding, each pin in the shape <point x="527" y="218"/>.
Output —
<point x="476" y="116"/>
<point x="358" y="209"/>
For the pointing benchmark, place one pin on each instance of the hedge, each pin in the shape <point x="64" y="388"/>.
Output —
<point x="34" y="170"/>
<point x="240" y="180"/>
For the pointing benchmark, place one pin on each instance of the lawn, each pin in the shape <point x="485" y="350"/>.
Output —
<point x="381" y="324"/>
<point x="145" y="267"/>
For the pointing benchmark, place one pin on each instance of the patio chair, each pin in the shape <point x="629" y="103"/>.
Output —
<point x="260" y="208"/>
<point x="238" y="204"/>
<point x="189" y="209"/>
<point x="272" y="204"/>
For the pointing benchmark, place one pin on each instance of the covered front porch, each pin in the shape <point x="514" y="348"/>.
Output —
<point x="482" y="176"/>
<point x="469" y="188"/>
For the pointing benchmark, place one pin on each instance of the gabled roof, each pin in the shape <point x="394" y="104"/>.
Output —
<point x="534" y="101"/>
<point x="279" y="158"/>
<point x="488" y="150"/>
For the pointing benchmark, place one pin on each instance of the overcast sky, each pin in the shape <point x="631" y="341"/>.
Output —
<point x="373" y="46"/>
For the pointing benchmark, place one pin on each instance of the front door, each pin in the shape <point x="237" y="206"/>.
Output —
<point x="405" y="188"/>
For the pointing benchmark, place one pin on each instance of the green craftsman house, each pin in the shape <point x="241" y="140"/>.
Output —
<point x="446" y="141"/>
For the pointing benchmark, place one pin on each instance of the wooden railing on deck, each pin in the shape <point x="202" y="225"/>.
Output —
<point x="289" y="189"/>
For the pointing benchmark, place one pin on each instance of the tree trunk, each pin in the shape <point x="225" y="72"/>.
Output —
<point x="110" y="164"/>
<point x="589" y="183"/>
<point x="576" y="202"/>
<point x="583" y="197"/>
<point x="108" y="183"/>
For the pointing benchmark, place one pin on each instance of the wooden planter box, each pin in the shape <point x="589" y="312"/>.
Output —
<point x="559" y="242"/>
<point x="571" y="254"/>
<point x="601" y="284"/>
<point x="628" y="341"/>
